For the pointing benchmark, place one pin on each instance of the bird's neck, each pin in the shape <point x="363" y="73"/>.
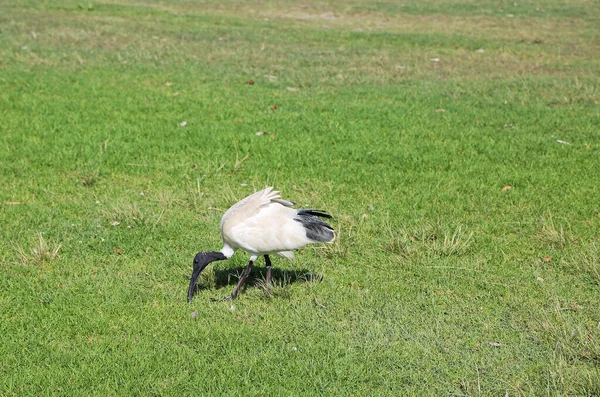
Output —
<point x="227" y="250"/>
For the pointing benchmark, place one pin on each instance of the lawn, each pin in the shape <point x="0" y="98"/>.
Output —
<point x="456" y="143"/>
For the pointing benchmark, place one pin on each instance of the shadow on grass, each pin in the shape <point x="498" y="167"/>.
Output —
<point x="220" y="278"/>
<point x="231" y="276"/>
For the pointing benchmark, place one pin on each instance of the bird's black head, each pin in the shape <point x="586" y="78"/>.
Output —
<point x="201" y="260"/>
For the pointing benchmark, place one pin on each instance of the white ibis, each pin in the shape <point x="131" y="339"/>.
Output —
<point x="264" y="224"/>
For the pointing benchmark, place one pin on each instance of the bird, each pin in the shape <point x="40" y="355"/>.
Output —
<point x="263" y="224"/>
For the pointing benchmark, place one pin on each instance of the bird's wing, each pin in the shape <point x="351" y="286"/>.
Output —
<point x="283" y="202"/>
<point x="249" y="207"/>
<point x="272" y="229"/>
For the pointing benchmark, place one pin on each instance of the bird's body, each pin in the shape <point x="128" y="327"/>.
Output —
<point x="264" y="224"/>
<point x="260" y="225"/>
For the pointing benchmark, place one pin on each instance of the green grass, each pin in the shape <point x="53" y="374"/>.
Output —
<point x="442" y="281"/>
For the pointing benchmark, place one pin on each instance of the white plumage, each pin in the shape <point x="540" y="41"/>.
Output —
<point x="263" y="224"/>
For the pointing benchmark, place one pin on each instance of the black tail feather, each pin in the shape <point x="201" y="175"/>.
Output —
<point x="316" y="229"/>
<point x="319" y="213"/>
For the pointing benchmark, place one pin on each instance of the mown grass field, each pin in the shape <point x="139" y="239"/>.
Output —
<point x="456" y="142"/>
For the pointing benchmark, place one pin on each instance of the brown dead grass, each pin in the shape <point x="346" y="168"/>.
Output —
<point x="40" y="251"/>
<point x="511" y="47"/>
<point x="346" y="16"/>
<point x="516" y="46"/>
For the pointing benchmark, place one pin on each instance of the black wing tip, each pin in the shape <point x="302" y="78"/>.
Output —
<point x="319" y="213"/>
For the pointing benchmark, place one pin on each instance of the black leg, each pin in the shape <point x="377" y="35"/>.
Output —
<point x="242" y="279"/>
<point x="268" y="265"/>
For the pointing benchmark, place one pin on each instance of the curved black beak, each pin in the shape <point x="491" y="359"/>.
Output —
<point x="202" y="260"/>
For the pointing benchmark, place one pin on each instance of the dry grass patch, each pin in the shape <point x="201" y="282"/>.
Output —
<point x="575" y="344"/>
<point x="512" y="46"/>
<point x="126" y="213"/>
<point x="40" y="252"/>
<point x="588" y="261"/>
<point x="552" y="234"/>
<point x="429" y="239"/>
